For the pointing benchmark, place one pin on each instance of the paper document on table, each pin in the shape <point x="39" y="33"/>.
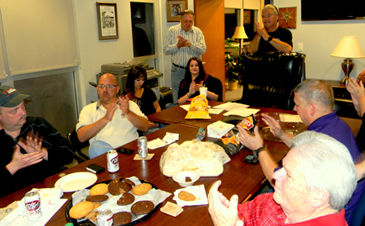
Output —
<point x="290" y="118"/>
<point x="230" y="106"/>
<point x="215" y="111"/>
<point x="244" y="112"/>
<point x="187" y="106"/>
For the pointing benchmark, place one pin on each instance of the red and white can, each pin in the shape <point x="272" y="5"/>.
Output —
<point x="113" y="162"/>
<point x="142" y="147"/>
<point x="32" y="202"/>
<point x="105" y="218"/>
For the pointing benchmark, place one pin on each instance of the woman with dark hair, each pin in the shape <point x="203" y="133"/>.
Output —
<point x="195" y="78"/>
<point x="141" y="94"/>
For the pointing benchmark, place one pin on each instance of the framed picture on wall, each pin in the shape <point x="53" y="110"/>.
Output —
<point x="107" y="20"/>
<point x="174" y="9"/>
<point x="288" y="17"/>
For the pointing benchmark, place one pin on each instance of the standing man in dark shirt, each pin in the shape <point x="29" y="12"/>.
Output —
<point x="271" y="37"/>
<point x="31" y="149"/>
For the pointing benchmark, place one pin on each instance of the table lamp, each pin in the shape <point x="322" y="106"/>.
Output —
<point x="348" y="48"/>
<point x="239" y="34"/>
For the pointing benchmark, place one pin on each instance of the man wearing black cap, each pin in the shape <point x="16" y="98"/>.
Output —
<point x="31" y="149"/>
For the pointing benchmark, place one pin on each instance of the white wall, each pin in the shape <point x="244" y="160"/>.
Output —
<point x="95" y="52"/>
<point x="320" y="39"/>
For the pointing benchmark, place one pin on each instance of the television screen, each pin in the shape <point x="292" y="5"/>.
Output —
<point x="333" y="10"/>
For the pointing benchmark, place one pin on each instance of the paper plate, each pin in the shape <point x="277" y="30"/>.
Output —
<point x="76" y="181"/>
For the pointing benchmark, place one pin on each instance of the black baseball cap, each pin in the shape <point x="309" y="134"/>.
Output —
<point x="10" y="97"/>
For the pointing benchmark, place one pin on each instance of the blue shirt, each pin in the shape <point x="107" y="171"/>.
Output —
<point x="335" y="127"/>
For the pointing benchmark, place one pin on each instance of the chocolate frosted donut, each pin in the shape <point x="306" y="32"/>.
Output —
<point x="131" y="183"/>
<point x="113" y="187"/>
<point x="97" y="198"/>
<point x="125" y="187"/>
<point x="142" y="207"/>
<point x="126" y="199"/>
<point x="122" y="218"/>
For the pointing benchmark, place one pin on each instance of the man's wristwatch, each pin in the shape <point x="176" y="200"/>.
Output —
<point x="257" y="151"/>
<point x="269" y="39"/>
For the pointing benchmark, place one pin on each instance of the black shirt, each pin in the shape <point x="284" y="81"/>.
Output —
<point x="59" y="154"/>
<point x="280" y="34"/>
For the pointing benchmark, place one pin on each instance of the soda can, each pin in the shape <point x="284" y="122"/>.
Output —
<point x="104" y="218"/>
<point x="32" y="202"/>
<point x="142" y="147"/>
<point x="113" y="162"/>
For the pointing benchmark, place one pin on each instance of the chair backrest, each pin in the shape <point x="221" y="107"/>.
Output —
<point x="77" y="145"/>
<point x="270" y="78"/>
<point x="219" y="83"/>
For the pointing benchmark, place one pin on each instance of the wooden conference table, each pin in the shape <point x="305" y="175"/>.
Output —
<point x="238" y="177"/>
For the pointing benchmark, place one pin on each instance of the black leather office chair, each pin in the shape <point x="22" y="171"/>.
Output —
<point x="76" y="146"/>
<point x="270" y="78"/>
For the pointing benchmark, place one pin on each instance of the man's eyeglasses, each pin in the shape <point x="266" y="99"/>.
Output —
<point x="109" y="86"/>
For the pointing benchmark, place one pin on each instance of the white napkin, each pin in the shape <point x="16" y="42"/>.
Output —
<point x="218" y="129"/>
<point x="168" y="139"/>
<point x="198" y="191"/>
<point x="50" y="204"/>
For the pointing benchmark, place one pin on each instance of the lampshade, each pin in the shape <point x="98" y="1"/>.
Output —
<point x="348" y="48"/>
<point x="239" y="33"/>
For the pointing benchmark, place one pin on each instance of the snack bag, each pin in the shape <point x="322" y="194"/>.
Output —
<point x="230" y="143"/>
<point x="248" y="123"/>
<point x="198" y="108"/>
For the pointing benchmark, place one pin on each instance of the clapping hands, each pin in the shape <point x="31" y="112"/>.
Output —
<point x="182" y="42"/>
<point x="35" y="153"/>
<point x="223" y="211"/>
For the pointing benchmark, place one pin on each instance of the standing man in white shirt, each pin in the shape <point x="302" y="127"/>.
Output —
<point x="183" y="42"/>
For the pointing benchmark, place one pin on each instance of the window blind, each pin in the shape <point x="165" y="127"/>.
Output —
<point x="39" y="35"/>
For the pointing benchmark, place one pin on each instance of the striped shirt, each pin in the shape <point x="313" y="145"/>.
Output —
<point x="181" y="56"/>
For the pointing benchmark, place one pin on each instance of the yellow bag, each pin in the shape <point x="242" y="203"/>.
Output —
<point x="198" y="108"/>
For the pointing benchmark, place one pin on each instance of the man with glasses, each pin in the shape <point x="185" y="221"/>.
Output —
<point x="271" y="37"/>
<point x="183" y="41"/>
<point x="111" y="121"/>
<point x="31" y="148"/>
